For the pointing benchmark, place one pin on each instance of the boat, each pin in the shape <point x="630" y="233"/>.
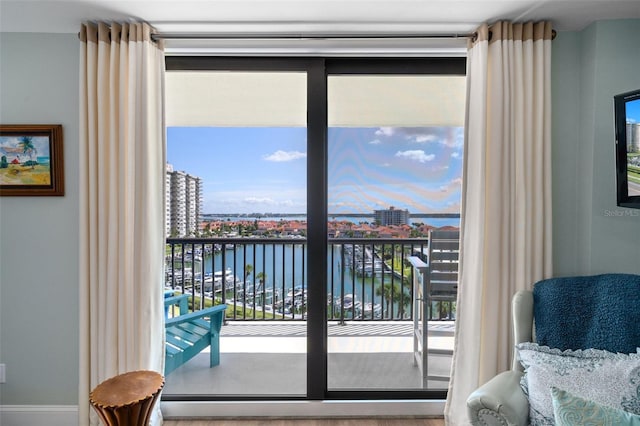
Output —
<point x="296" y="296"/>
<point x="215" y="282"/>
<point x="258" y="294"/>
<point x="371" y="310"/>
<point x="295" y="300"/>
<point x="351" y="307"/>
<point x="349" y="302"/>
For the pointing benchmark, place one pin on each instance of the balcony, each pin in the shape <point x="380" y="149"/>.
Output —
<point x="372" y="318"/>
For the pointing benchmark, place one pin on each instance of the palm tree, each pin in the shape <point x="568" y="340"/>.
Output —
<point x="248" y="269"/>
<point x="26" y="142"/>
<point x="260" y="288"/>
<point x="394" y="292"/>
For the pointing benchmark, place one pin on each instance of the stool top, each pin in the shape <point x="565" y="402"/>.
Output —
<point x="127" y="388"/>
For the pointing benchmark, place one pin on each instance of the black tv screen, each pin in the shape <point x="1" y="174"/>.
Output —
<point x="627" y="116"/>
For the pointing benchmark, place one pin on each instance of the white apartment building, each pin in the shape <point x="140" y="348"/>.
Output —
<point x="633" y="137"/>
<point x="183" y="198"/>
<point x="391" y="216"/>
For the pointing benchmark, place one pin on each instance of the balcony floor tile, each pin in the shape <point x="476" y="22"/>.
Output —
<point x="260" y="358"/>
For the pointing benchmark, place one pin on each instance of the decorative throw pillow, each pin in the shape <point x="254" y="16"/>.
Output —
<point x="600" y="376"/>
<point x="571" y="410"/>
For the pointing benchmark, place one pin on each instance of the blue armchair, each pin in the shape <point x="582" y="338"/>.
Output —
<point x="600" y="312"/>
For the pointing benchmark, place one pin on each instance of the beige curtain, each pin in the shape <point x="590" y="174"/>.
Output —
<point x="122" y="157"/>
<point x="506" y="206"/>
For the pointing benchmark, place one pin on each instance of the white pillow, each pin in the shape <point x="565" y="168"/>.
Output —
<point x="600" y="376"/>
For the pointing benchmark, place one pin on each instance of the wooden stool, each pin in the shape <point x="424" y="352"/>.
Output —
<point x="127" y="399"/>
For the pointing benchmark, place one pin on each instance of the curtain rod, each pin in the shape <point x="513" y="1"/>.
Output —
<point x="300" y="36"/>
<point x="316" y="36"/>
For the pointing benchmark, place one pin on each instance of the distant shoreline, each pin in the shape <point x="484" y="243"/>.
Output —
<point x="269" y="215"/>
<point x="436" y="220"/>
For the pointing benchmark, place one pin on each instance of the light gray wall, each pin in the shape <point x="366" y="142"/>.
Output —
<point x="615" y="244"/>
<point x="591" y="234"/>
<point x="568" y="203"/>
<point x="39" y="235"/>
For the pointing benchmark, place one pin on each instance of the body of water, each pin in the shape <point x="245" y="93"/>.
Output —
<point x="284" y="273"/>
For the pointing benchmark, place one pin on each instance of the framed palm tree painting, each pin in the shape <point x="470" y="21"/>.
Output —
<point x="31" y="159"/>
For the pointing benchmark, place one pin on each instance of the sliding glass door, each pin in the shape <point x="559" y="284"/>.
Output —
<point x="320" y="179"/>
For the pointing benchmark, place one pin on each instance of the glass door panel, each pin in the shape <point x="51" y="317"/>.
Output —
<point x="236" y="221"/>
<point x="394" y="174"/>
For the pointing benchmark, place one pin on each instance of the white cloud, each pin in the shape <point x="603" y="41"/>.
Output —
<point x="415" y="155"/>
<point x="425" y="138"/>
<point x="453" y="184"/>
<point x="385" y="131"/>
<point x="259" y="200"/>
<point x="375" y="142"/>
<point x="458" y="140"/>
<point x="443" y="135"/>
<point x="255" y="204"/>
<point x="281" y="156"/>
<point x="455" y="155"/>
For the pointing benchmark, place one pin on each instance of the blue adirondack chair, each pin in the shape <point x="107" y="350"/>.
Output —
<point x="188" y="334"/>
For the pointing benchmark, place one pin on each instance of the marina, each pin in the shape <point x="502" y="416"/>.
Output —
<point x="270" y="277"/>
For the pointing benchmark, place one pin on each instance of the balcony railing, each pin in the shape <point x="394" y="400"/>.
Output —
<point x="369" y="279"/>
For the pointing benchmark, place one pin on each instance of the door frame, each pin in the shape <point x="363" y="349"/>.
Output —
<point x="318" y="70"/>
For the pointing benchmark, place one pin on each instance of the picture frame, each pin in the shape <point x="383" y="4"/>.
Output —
<point x="31" y="160"/>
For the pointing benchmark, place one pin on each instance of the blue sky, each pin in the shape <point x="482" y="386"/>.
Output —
<point x="633" y="110"/>
<point x="247" y="170"/>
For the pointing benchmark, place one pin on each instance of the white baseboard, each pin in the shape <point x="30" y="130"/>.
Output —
<point x="37" y="415"/>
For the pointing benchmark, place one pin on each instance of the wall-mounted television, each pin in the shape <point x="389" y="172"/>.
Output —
<point x="627" y="116"/>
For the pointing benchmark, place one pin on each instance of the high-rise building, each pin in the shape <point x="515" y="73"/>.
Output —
<point x="183" y="198"/>
<point x="391" y="216"/>
<point x="633" y="137"/>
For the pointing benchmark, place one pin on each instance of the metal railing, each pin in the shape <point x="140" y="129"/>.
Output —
<point x="369" y="279"/>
